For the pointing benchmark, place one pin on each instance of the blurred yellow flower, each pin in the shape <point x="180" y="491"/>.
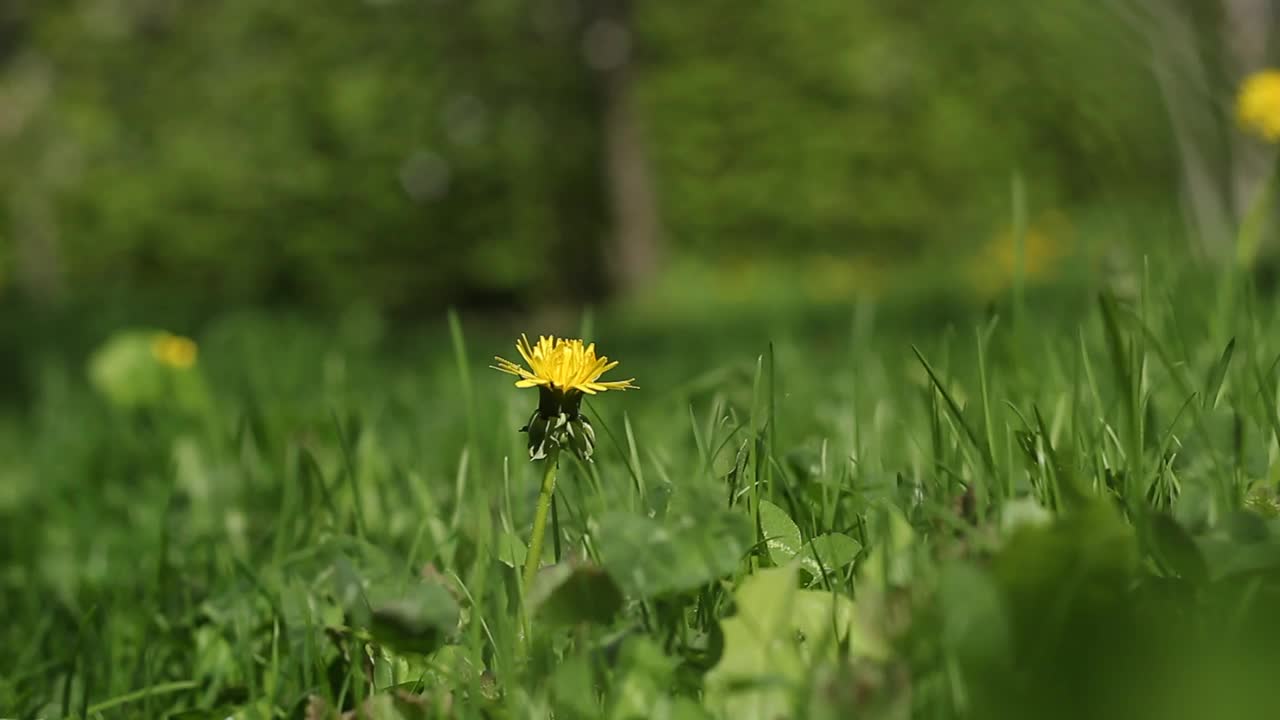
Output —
<point x="836" y="278"/>
<point x="174" y="351"/>
<point x="562" y="365"/>
<point x="1034" y="255"/>
<point x="1258" y="104"/>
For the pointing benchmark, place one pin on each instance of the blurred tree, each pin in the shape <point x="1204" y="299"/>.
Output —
<point x="1246" y="29"/>
<point x="409" y="153"/>
<point x="1200" y="52"/>
<point x="608" y="44"/>
<point x="490" y="152"/>
<point x="891" y="128"/>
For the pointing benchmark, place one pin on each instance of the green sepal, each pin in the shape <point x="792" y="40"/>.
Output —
<point x="558" y="423"/>
<point x="582" y="438"/>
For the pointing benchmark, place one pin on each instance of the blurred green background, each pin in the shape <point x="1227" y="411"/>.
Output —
<point x="372" y="162"/>
<point x="501" y="153"/>
<point x="304" y="189"/>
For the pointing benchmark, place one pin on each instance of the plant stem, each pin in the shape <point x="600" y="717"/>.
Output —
<point x="534" y="557"/>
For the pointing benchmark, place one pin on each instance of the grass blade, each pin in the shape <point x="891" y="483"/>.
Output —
<point x="1213" y="383"/>
<point x="957" y="415"/>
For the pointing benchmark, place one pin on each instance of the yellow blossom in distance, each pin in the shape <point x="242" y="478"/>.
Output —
<point x="561" y="365"/>
<point x="174" y="351"/>
<point x="1258" y="104"/>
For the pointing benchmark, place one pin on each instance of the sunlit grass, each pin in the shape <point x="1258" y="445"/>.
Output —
<point x="871" y="512"/>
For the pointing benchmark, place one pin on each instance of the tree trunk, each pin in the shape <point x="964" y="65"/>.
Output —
<point x="1246" y="24"/>
<point x="38" y="268"/>
<point x="1218" y="194"/>
<point x="636" y="231"/>
<point x="1183" y="77"/>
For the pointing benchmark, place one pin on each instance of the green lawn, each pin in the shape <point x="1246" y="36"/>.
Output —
<point x="1062" y="507"/>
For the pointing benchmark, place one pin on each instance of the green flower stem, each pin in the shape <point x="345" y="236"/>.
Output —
<point x="534" y="557"/>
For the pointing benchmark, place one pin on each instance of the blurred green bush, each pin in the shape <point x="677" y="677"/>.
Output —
<point x="413" y="152"/>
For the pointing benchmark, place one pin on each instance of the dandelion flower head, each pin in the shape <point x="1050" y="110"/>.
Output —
<point x="1258" y="104"/>
<point x="561" y="365"/>
<point x="174" y="351"/>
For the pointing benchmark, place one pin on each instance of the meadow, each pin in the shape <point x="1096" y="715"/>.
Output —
<point x="1060" y="505"/>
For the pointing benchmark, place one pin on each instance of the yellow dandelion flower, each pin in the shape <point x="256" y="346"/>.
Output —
<point x="562" y="366"/>
<point x="564" y="371"/>
<point x="1258" y="104"/>
<point x="1034" y="255"/>
<point x="174" y="351"/>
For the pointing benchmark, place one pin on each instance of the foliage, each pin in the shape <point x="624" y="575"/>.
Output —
<point x="415" y="152"/>
<point x="380" y="150"/>
<point x="1071" y="518"/>
<point x="891" y="129"/>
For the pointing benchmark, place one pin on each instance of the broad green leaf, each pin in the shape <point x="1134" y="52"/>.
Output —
<point x="450" y="665"/>
<point x="645" y="673"/>
<point x="681" y="552"/>
<point x="860" y="689"/>
<point x="348" y="589"/>
<point x="781" y="536"/>
<point x="573" y="689"/>
<point x="679" y="708"/>
<point x="510" y="550"/>
<point x="256" y="709"/>
<point x="391" y="669"/>
<point x="1093" y="545"/>
<point x="1247" y="526"/>
<point x="832" y="551"/>
<point x="382" y="706"/>
<point x="889" y="563"/>
<point x="572" y="593"/>
<point x="1023" y="512"/>
<point x="1225" y="558"/>
<point x="1094" y="538"/>
<point x="778" y="633"/>
<point x="974" y="622"/>
<point x="415" y="620"/>
<point x="1175" y="550"/>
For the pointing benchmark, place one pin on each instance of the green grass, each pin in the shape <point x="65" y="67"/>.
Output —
<point x="852" y="512"/>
